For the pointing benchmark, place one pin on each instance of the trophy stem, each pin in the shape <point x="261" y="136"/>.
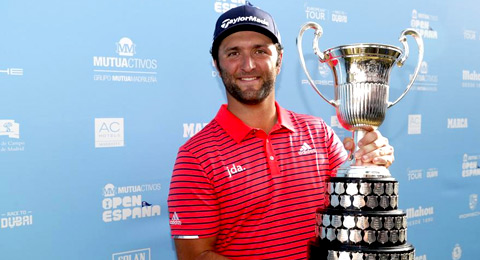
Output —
<point x="357" y="135"/>
<point x="349" y="169"/>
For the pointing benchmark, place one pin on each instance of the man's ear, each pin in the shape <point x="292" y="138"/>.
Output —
<point x="215" y="64"/>
<point x="279" y="62"/>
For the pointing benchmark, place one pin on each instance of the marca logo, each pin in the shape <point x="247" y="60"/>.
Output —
<point x="109" y="132"/>
<point x="457" y="123"/>
<point x="306" y="149"/>
<point x="175" y="220"/>
<point x="139" y="254"/>
<point x="221" y="6"/>
<point x="190" y="129"/>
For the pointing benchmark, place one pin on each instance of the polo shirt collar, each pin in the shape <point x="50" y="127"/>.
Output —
<point x="238" y="130"/>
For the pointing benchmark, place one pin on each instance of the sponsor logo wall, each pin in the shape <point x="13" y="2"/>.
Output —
<point x="97" y="99"/>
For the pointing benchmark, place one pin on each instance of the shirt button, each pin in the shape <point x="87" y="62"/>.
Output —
<point x="272" y="158"/>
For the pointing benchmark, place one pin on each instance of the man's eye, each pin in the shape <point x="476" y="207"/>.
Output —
<point x="230" y="54"/>
<point x="261" y="51"/>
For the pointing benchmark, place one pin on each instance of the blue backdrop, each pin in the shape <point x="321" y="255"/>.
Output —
<point x="97" y="96"/>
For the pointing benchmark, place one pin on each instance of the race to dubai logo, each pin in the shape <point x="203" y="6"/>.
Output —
<point x="15" y="219"/>
<point x="125" y="67"/>
<point x="11" y="130"/>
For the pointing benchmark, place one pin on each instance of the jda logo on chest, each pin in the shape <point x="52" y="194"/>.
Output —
<point x="233" y="169"/>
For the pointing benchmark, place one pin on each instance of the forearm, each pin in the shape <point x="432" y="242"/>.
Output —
<point x="210" y="255"/>
<point x="197" y="249"/>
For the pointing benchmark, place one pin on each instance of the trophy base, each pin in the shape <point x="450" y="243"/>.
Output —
<point x="363" y="172"/>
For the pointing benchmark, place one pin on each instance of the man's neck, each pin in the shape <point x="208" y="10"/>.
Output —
<point x="263" y="115"/>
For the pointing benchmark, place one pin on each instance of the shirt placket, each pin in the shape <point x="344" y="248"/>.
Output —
<point x="270" y="155"/>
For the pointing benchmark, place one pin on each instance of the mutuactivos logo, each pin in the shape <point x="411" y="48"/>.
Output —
<point x="227" y="22"/>
<point x="125" y="67"/>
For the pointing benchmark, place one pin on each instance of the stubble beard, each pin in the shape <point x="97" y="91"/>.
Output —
<point x="248" y="97"/>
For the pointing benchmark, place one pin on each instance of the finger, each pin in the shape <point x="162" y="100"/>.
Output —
<point x="371" y="142"/>
<point x="348" y="144"/>
<point x="383" y="156"/>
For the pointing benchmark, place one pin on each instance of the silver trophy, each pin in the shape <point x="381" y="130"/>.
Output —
<point x="361" y="80"/>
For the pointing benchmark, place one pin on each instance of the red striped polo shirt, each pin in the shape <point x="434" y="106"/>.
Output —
<point x="256" y="192"/>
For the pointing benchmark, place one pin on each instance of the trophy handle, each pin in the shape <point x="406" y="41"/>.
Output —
<point x="318" y="33"/>
<point x="403" y="40"/>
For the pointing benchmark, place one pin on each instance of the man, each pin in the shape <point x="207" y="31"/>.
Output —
<point x="247" y="185"/>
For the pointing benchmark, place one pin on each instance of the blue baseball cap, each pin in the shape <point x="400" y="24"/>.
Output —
<point x="244" y="18"/>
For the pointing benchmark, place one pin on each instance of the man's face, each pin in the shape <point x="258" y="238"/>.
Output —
<point x="247" y="62"/>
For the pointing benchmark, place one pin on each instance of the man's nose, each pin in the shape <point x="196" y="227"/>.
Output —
<point x="248" y="63"/>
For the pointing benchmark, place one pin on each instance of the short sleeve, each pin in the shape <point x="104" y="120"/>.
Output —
<point x="192" y="202"/>
<point x="336" y="151"/>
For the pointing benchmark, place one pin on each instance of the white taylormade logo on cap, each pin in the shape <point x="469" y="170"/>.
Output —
<point x="227" y="22"/>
